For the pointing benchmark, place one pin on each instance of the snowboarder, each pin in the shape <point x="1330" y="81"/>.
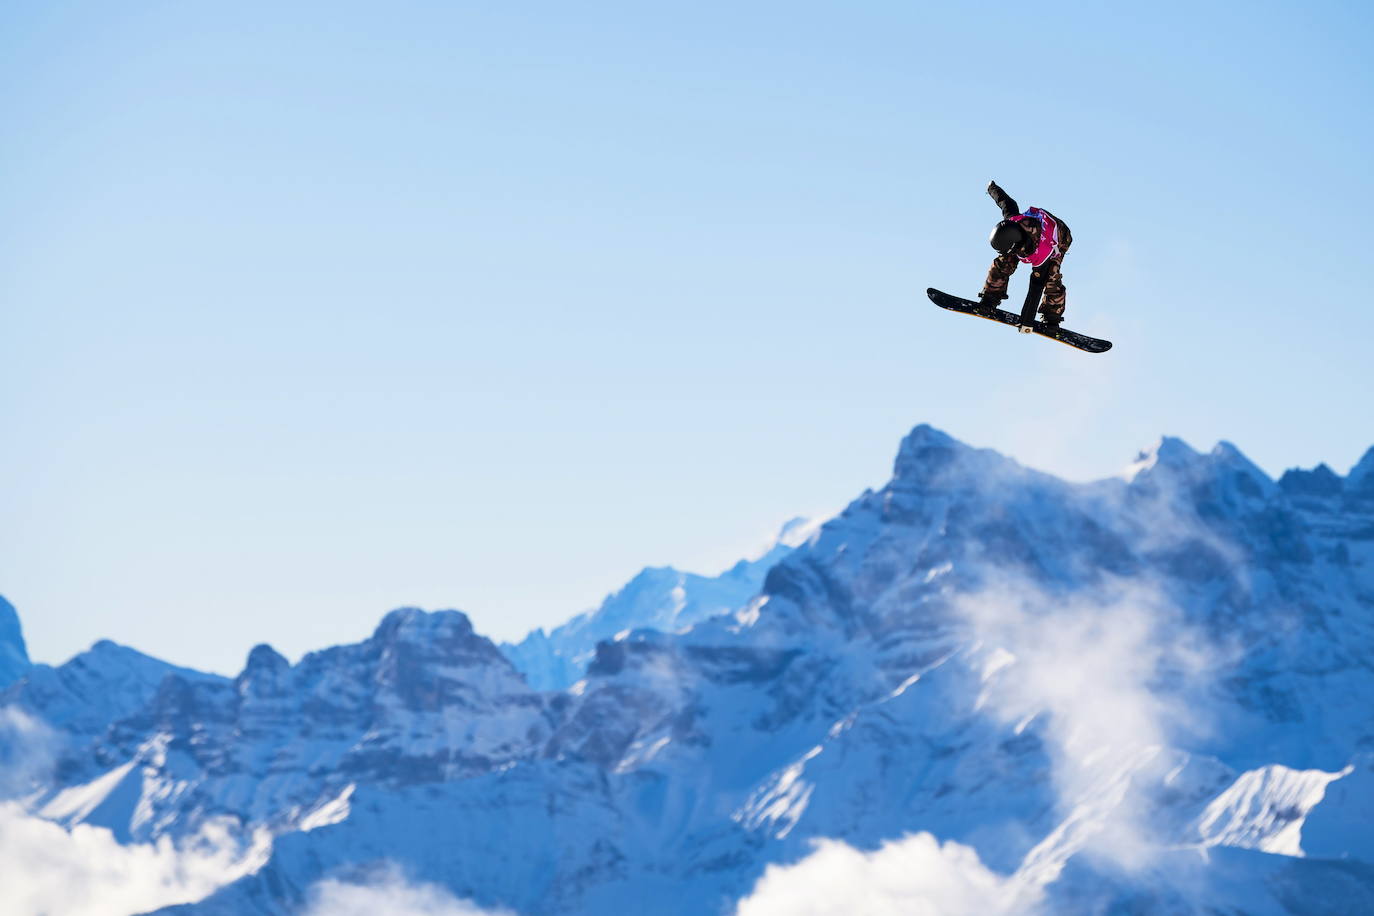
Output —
<point x="1036" y="237"/>
<point x="1041" y="240"/>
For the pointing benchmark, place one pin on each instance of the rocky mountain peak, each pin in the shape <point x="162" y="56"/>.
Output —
<point x="1221" y="481"/>
<point x="264" y="658"/>
<point x="1169" y="453"/>
<point x="14" y="655"/>
<point x="1227" y="460"/>
<point x="659" y="598"/>
<point x="930" y="459"/>
<point x="421" y="657"/>
<point x="1319" y="482"/>
<point x="925" y="450"/>
<point x="1360" y="480"/>
<point x="414" y="626"/>
<point x="267" y="673"/>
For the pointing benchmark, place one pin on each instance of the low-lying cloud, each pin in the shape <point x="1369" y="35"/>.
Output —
<point x="913" y="876"/>
<point x="389" y="892"/>
<point x="47" y="870"/>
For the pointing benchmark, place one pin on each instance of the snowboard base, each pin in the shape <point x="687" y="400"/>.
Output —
<point x="1063" y="335"/>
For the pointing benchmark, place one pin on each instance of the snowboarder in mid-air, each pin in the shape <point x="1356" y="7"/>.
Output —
<point x="1036" y="237"/>
<point x="1041" y="240"/>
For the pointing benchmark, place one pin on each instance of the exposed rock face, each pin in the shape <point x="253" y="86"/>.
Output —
<point x="1083" y="684"/>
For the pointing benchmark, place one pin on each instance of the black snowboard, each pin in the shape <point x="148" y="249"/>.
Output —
<point x="1063" y="335"/>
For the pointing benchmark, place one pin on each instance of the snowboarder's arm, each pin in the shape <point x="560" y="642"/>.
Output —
<point x="1003" y="201"/>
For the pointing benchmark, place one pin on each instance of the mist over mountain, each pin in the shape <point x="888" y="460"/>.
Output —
<point x="978" y="688"/>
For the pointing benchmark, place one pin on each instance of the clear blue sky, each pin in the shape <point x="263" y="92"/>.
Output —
<point x="311" y="310"/>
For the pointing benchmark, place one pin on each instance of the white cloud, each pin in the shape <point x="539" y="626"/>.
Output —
<point x="390" y="893"/>
<point x="46" y="870"/>
<point x="913" y="876"/>
<point x="28" y="748"/>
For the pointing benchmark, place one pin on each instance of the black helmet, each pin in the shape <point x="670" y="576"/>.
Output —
<point x="1006" y="235"/>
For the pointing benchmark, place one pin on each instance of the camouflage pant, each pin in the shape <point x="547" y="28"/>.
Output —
<point x="1048" y="276"/>
<point x="1056" y="296"/>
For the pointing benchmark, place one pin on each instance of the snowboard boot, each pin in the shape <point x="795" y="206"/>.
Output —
<point x="1052" y="320"/>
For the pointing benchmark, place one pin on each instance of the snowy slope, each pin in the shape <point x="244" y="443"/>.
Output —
<point x="979" y="685"/>
<point x="658" y="598"/>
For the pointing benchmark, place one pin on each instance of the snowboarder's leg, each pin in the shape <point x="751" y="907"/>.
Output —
<point x="1056" y="296"/>
<point x="1037" y="286"/>
<point x="995" y="287"/>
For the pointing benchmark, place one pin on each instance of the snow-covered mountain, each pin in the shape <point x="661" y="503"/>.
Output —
<point x="977" y="689"/>
<point x="86" y="695"/>
<point x="658" y="598"/>
<point x="14" y="655"/>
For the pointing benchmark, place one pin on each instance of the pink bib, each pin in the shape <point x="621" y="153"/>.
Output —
<point x="1049" y="236"/>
